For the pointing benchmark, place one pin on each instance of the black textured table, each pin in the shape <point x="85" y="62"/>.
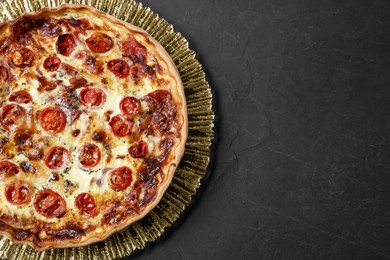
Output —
<point x="301" y="163"/>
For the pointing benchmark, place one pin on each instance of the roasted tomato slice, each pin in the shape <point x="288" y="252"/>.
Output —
<point x="12" y="116"/>
<point x="120" y="68"/>
<point x="20" y="96"/>
<point x="86" y="204"/>
<point x="120" y="178"/>
<point x="92" y="97"/>
<point x="18" y="192"/>
<point x="99" y="42"/>
<point x="120" y="126"/>
<point x="50" y="204"/>
<point x="66" y="44"/>
<point x="89" y="155"/>
<point x="52" y="119"/>
<point x="130" y="106"/>
<point x="51" y="63"/>
<point x="57" y="157"/>
<point x="8" y="169"/>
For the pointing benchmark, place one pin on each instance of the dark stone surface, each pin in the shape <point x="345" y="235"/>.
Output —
<point x="302" y="156"/>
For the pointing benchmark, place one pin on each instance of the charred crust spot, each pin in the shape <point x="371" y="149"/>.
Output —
<point x="53" y="177"/>
<point x="23" y="140"/>
<point x="75" y="132"/>
<point x="67" y="169"/>
<point x="107" y="147"/>
<point x="67" y="185"/>
<point x="108" y="114"/>
<point x="99" y="136"/>
<point x="27" y="167"/>
<point x="94" y="65"/>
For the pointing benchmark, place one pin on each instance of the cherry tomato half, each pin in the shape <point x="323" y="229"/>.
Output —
<point x="52" y="119"/>
<point x="120" y="178"/>
<point x="120" y="126"/>
<point x="130" y="106"/>
<point x="49" y="204"/>
<point x="18" y="192"/>
<point x="92" y="97"/>
<point x="57" y="157"/>
<point x="86" y="204"/>
<point x="99" y="42"/>
<point x="89" y="155"/>
<point x="66" y="44"/>
<point x="12" y="117"/>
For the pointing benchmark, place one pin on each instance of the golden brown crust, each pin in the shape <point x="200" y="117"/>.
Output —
<point x="178" y="96"/>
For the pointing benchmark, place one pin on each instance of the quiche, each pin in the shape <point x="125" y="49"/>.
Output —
<point x="93" y="125"/>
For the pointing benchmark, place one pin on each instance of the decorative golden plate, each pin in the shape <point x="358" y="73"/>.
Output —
<point x="197" y="154"/>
